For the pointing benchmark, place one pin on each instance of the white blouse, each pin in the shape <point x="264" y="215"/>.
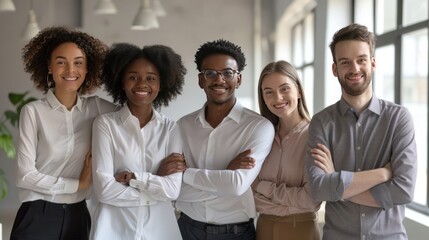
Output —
<point x="52" y="146"/>
<point x="144" y="211"/>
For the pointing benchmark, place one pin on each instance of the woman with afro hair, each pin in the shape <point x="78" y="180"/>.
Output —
<point x="54" y="148"/>
<point x="135" y="194"/>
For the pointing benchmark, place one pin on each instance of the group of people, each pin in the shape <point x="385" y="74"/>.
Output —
<point x="215" y="171"/>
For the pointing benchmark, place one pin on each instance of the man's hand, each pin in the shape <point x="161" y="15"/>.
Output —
<point x="242" y="161"/>
<point x="124" y="177"/>
<point x="174" y="163"/>
<point x="322" y="158"/>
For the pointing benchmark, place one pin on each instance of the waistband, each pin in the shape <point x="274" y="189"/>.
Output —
<point x="310" y="216"/>
<point x="214" y="229"/>
<point x="44" y="203"/>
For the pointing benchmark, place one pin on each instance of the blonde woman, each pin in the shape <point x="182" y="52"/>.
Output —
<point x="281" y="197"/>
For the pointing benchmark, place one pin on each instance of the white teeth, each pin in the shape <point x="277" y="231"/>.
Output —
<point x="142" y="93"/>
<point x="279" y="105"/>
<point x="70" y="78"/>
<point x="219" y="90"/>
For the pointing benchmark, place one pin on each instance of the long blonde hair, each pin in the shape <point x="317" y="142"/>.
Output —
<point x="288" y="70"/>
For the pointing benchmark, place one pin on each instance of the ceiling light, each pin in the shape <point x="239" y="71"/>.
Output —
<point x="7" y="5"/>
<point x="145" y="18"/>
<point x="32" y="27"/>
<point x="105" y="7"/>
<point x="158" y="9"/>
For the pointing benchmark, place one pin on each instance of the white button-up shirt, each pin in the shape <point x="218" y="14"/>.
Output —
<point x="210" y="193"/>
<point x="144" y="209"/>
<point x="52" y="146"/>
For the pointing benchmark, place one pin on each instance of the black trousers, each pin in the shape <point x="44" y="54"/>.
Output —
<point x="195" y="230"/>
<point x="42" y="220"/>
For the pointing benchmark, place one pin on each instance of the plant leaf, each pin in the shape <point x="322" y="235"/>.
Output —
<point x="3" y="185"/>
<point x="15" y="98"/>
<point x="6" y="144"/>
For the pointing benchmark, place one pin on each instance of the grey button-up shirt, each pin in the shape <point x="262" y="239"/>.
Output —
<point x="383" y="133"/>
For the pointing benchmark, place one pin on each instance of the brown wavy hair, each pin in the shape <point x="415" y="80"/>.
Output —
<point x="37" y="53"/>
<point x="353" y="32"/>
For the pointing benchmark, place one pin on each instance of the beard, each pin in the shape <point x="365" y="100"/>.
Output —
<point x="355" y="89"/>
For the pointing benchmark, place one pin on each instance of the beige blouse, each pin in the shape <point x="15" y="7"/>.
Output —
<point x="280" y="188"/>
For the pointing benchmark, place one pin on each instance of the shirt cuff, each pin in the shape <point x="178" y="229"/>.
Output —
<point x="71" y="186"/>
<point x="189" y="175"/>
<point x="263" y="188"/>
<point x="141" y="181"/>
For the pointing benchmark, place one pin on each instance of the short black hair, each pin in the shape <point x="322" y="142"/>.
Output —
<point x="37" y="53"/>
<point x="220" y="46"/>
<point x="169" y="64"/>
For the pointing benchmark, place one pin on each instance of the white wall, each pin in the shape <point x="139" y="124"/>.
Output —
<point x="188" y="24"/>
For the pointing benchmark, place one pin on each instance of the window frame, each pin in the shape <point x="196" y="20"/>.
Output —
<point x="394" y="37"/>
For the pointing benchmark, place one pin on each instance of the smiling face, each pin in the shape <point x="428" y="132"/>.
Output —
<point x="219" y="91"/>
<point x="354" y="67"/>
<point x="280" y="95"/>
<point x="68" y="66"/>
<point x="141" y="83"/>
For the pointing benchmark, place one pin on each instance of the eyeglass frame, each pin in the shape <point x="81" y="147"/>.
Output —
<point x="202" y="72"/>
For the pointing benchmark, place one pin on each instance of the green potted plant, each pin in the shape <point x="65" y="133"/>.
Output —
<point x="7" y="145"/>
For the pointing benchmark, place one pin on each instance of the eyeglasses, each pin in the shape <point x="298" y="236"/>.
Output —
<point x="211" y="75"/>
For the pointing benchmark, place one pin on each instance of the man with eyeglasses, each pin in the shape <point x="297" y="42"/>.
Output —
<point x="224" y="146"/>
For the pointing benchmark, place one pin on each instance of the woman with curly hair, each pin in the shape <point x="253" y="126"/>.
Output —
<point x="54" y="149"/>
<point x="135" y="194"/>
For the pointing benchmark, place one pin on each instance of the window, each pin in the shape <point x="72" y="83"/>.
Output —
<point x="401" y="28"/>
<point x="303" y="55"/>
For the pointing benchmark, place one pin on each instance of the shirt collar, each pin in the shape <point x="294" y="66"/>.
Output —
<point x="234" y="114"/>
<point x="125" y="114"/>
<point x="55" y="104"/>
<point x="373" y="106"/>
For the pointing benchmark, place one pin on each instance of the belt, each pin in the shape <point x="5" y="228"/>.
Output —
<point x="236" y="228"/>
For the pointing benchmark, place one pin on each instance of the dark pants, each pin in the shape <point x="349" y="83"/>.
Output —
<point x="195" y="230"/>
<point x="42" y="220"/>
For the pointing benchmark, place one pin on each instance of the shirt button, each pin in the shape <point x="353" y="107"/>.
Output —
<point x="358" y="169"/>
<point x="363" y="214"/>
<point x="358" y="124"/>
<point x="363" y="237"/>
<point x="358" y="147"/>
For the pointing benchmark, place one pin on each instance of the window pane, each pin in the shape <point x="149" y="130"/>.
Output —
<point x="309" y="38"/>
<point x="385" y="15"/>
<point x="364" y="13"/>
<point x="414" y="11"/>
<point x="415" y="97"/>
<point x="384" y="79"/>
<point x="297" y="45"/>
<point x="308" y="85"/>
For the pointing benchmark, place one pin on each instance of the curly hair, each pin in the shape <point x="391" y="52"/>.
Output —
<point x="220" y="46"/>
<point x="169" y="64"/>
<point x="353" y="31"/>
<point x="37" y="53"/>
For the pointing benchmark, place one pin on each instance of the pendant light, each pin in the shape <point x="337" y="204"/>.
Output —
<point x="7" y="6"/>
<point x="105" y="7"/>
<point x="145" y="18"/>
<point x="32" y="27"/>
